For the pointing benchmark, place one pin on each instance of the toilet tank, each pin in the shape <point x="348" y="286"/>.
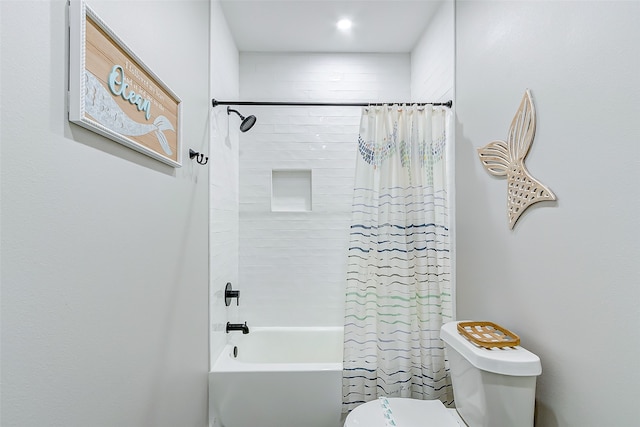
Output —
<point x="491" y="387"/>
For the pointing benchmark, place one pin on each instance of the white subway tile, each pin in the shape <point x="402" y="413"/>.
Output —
<point x="297" y="260"/>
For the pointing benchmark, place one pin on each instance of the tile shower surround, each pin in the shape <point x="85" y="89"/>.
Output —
<point x="293" y="264"/>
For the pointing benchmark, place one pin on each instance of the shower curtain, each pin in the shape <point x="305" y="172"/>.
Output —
<point x="399" y="268"/>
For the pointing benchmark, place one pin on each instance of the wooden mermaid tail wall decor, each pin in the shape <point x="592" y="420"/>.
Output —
<point x="502" y="158"/>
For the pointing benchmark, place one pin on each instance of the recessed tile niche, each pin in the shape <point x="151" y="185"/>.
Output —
<point x="291" y="190"/>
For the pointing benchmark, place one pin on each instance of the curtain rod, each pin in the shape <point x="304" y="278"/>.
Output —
<point x="215" y="103"/>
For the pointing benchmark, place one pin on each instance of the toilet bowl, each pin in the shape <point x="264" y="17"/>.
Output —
<point x="492" y="388"/>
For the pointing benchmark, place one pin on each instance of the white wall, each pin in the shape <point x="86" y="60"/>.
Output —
<point x="293" y="265"/>
<point x="566" y="278"/>
<point x="223" y="187"/>
<point x="223" y="167"/>
<point x="432" y="58"/>
<point x="432" y="80"/>
<point x="104" y="250"/>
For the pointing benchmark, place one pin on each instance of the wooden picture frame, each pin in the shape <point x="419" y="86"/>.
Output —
<point x="113" y="93"/>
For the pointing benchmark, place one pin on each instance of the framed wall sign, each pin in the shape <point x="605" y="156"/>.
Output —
<point x="112" y="92"/>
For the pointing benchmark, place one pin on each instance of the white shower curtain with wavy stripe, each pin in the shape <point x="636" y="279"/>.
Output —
<point x="399" y="262"/>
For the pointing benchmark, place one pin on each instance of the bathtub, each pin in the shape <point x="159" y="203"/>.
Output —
<point x="281" y="377"/>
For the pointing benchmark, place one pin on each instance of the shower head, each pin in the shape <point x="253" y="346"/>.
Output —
<point x="247" y="122"/>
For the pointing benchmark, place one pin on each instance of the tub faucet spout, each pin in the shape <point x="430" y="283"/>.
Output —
<point x="238" y="327"/>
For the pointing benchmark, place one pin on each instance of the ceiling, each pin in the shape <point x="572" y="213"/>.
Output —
<point x="310" y="25"/>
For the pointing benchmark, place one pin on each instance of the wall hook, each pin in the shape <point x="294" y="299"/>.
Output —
<point x="200" y="158"/>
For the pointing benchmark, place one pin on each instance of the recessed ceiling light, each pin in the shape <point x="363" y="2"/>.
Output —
<point x="344" y="24"/>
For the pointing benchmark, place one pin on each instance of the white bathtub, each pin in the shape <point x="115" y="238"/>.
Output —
<point x="281" y="377"/>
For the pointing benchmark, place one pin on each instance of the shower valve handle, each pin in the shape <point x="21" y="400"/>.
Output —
<point x="229" y="294"/>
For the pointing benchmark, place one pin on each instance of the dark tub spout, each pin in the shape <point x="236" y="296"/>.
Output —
<point x="238" y="327"/>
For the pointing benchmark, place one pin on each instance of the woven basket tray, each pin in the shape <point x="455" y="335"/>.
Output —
<point x="488" y="335"/>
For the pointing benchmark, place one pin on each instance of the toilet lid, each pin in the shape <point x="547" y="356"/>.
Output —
<point x="404" y="412"/>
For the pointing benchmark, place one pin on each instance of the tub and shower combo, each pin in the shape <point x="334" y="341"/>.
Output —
<point x="279" y="377"/>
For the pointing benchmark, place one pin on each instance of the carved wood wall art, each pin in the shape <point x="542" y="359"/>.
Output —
<point x="502" y="158"/>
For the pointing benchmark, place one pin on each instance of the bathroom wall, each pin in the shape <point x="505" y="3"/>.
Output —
<point x="104" y="250"/>
<point x="223" y="167"/>
<point x="566" y="278"/>
<point x="293" y="264"/>
<point x="432" y="79"/>
<point x="432" y="58"/>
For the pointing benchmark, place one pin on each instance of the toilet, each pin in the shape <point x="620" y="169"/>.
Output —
<point x="492" y="388"/>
